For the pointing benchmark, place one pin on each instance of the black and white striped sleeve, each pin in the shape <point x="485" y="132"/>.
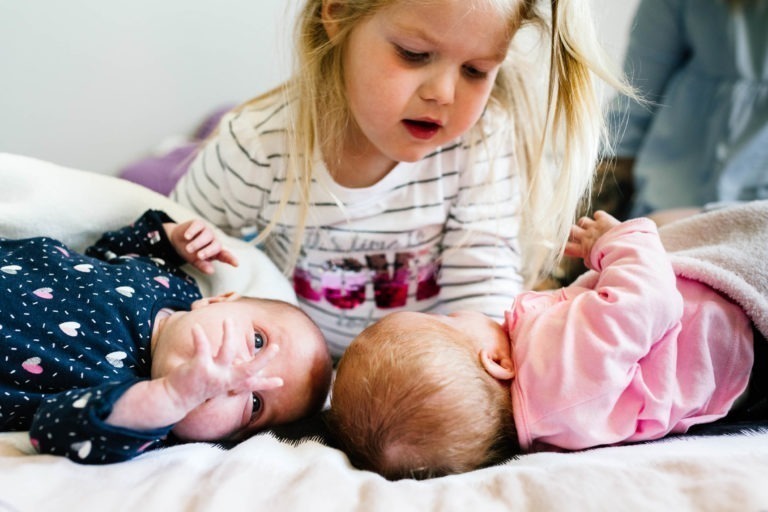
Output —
<point x="230" y="178"/>
<point x="481" y="258"/>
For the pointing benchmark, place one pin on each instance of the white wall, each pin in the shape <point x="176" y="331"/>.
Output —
<point x="95" y="84"/>
<point x="614" y="18"/>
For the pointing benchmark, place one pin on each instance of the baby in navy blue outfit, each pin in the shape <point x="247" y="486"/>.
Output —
<point x="103" y="354"/>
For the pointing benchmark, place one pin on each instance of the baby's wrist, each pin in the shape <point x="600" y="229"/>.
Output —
<point x="177" y="401"/>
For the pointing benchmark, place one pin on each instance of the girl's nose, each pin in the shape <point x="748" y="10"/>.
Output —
<point x="439" y="86"/>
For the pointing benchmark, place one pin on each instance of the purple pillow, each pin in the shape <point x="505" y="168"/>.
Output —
<point x="161" y="173"/>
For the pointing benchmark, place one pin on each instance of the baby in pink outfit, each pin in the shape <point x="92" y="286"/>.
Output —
<point x="629" y="352"/>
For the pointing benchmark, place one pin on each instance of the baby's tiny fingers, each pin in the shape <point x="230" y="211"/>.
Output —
<point x="576" y="230"/>
<point x="602" y="213"/>
<point x="258" y="383"/>
<point x="227" y="257"/>
<point x="199" y="242"/>
<point x="226" y="351"/>
<point x="260" y="361"/>
<point x="193" y="229"/>
<point x="573" y="249"/>
<point x="200" y="341"/>
<point x="209" y="250"/>
<point x="266" y="354"/>
<point x="204" y="266"/>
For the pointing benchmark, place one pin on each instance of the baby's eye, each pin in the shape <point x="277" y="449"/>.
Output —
<point x="258" y="341"/>
<point x="257" y="404"/>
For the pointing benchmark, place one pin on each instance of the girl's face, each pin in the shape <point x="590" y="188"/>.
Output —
<point x="418" y="75"/>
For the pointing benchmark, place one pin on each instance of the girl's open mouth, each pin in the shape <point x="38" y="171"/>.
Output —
<point x="421" y="129"/>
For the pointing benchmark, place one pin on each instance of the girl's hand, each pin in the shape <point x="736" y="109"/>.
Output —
<point x="197" y="244"/>
<point x="586" y="232"/>
<point x="207" y="376"/>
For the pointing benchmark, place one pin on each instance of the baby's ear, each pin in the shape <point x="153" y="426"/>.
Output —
<point x="222" y="297"/>
<point x="499" y="368"/>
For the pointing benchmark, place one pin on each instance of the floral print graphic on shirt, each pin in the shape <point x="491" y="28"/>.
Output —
<point x="344" y="282"/>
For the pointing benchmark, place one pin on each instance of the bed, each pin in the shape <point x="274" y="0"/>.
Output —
<point x="718" y="468"/>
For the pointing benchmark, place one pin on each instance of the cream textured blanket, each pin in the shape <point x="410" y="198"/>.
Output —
<point x="728" y="250"/>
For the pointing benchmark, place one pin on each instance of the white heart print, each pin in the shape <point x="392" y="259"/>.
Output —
<point x="69" y="328"/>
<point x="116" y="358"/>
<point x="125" y="291"/>
<point x="82" y="448"/>
<point x="82" y="401"/>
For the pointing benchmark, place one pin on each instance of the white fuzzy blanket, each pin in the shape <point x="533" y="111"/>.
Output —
<point x="719" y="473"/>
<point x="728" y="250"/>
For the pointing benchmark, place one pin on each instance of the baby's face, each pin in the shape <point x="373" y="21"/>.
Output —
<point x="258" y="324"/>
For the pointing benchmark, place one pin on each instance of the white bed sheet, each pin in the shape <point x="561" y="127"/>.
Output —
<point x="718" y="473"/>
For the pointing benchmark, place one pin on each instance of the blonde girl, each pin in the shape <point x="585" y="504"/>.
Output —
<point x="402" y="165"/>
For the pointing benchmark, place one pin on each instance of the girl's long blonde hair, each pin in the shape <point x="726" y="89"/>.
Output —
<point x="319" y="113"/>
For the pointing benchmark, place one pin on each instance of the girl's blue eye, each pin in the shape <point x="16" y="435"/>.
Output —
<point x="258" y="341"/>
<point x="474" y="73"/>
<point x="410" y="56"/>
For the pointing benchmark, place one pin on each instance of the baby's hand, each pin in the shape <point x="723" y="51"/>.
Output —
<point x="586" y="232"/>
<point x="196" y="242"/>
<point x="206" y="376"/>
